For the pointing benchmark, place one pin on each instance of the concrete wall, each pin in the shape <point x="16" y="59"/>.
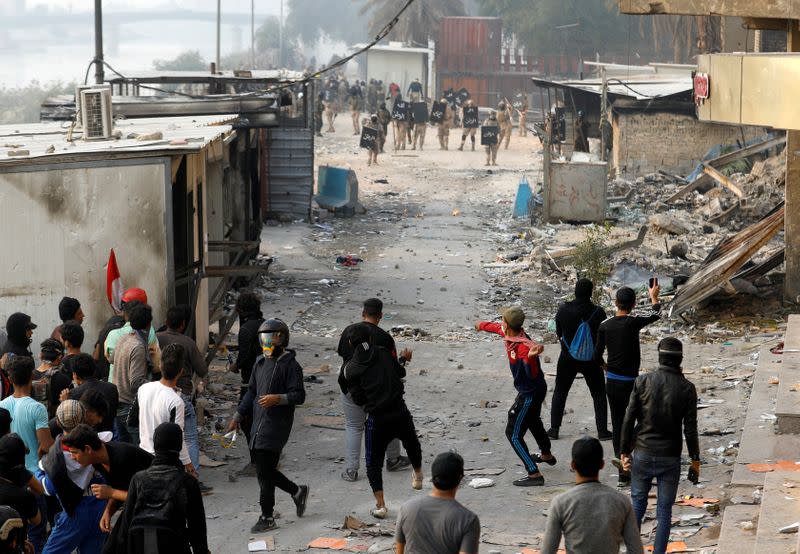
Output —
<point x="57" y="227"/>
<point x="675" y="143"/>
<point x="576" y="191"/>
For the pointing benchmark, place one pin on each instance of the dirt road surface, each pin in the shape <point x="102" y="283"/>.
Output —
<point x="434" y="219"/>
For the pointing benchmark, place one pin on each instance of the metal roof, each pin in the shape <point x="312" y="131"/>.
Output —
<point x="639" y="89"/>
<point x="180" y="134"/>
<point x="154" y="76"/>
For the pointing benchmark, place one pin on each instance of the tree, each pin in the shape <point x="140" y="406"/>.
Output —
<point x="191" y="60"/>
<point x="417" y="24"/>
<point x="310" y="20"/>
<point x="268" y="46"/>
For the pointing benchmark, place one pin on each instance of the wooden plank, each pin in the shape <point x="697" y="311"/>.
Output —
<point x="725" y="261"/>
<point x="723" y="180"/>
<point x="725" y="159"/>
<point x="233" y="245"/>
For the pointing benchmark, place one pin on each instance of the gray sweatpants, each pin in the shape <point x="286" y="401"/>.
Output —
<point x="354" y="419"/>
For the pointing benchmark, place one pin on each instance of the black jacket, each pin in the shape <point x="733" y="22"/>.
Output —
<point x="378" y="337"/>
<point x="375" y="379"/>
<point x="620" y="336"/>
<point x="249" y="349"/>
<point x="662" y="402"/>
<point x="272" y="426"/>
<point x="166" y="499"/>
<point x="569" y="317"/>
<point x="18" y="342"/>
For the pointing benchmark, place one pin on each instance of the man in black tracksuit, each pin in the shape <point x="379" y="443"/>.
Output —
<point x="374" y="379"/>
<point x="620" y="336"/>
<point x="570" y="316"/>
<point x="275" y="388"/>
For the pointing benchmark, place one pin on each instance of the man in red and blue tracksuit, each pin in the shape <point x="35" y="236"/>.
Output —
<point x="525" y="414"/>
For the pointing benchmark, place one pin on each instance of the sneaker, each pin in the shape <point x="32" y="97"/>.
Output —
<point x="379" y="513"/>
<point x="604" y="435"/>
<point x="416" y="482"/>
<point x="205" y="489"/>
<point x="624" y="480"/>
<point x="300" y="500"/>
<point x="529" y="481"/>
<point x="537" y="459"/>
<point x="553" y="433"/>
<point x="401" y="462"/>
<point x="263" y="525"/>
<point x="350" y="475"/>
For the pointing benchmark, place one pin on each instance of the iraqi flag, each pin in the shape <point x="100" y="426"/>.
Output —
<point x="113" y="283"/>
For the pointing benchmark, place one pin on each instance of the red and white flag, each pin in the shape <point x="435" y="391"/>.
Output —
<point x="114" y="287"/>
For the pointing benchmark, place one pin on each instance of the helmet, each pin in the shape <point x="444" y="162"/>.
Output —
<point x="135" y="294"/>
<point x="12" y="529"/>
<point x="501" y="106"/>
<point x="374" y="118"/>
<point x="267" y="338"/>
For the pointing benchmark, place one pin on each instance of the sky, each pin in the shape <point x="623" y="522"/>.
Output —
<point x="59" y="52"/>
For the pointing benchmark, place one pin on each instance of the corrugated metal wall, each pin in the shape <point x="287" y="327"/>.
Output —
<point x="289" y="173"/>
<point x="469" y="44"/>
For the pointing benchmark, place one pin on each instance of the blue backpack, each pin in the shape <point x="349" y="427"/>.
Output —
<point x="582" y="347"/>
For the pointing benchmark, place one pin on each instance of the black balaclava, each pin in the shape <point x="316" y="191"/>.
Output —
<point x="167" y="443"/>
<point x="670" y="352"/>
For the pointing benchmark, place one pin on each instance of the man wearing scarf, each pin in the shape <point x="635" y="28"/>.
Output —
<point x="164" y="512"/>
<point x="78" y="525"/>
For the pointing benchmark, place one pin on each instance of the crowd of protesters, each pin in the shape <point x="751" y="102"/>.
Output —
<point x="100" y="452"/>
<point x="85" y="435"/>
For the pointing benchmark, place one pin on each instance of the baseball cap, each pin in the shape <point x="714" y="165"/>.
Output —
<point x="514" y="316"/>
<point x="135" y="294"/>
<point x="69" y="415"/>
<point x="447" y="470"/>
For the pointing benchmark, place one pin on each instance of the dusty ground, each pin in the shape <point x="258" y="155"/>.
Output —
<point x="430" y="229"/>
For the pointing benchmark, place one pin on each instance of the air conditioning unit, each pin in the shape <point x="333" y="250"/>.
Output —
<point x="78" y="90"/>
<point x="96" y="116"/>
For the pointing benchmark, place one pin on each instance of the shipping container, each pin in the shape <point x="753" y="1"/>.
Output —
<point x="469" y="44"/>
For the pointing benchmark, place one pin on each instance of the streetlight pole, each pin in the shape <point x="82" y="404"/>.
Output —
<point x="252" y="34"/>
<point x="219" y="20"/>
<point x="280" y="40"/>
<point x="99" y="74"/>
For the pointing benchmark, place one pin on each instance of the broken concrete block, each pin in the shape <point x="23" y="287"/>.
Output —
<point x="669" y="223"/>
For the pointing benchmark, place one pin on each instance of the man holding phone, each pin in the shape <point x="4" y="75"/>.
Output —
<point x="662" y="404"/>
<point x="619" y="335"/>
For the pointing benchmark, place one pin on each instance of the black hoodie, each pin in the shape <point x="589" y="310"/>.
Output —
<point x="249" y="349"/>
<point x="375" y="379"/>
<point x="18" y="342"/>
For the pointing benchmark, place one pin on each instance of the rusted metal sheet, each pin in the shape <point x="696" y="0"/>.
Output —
<point x="469" y="44"/>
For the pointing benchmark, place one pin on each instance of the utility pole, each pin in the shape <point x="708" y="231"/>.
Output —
<point x="280" y="40"/>
<point x="99" y="74"/>
<point x="219" y="26"/>
<point x="252" y="34"/>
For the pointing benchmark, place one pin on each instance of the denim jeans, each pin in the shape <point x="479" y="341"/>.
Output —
<point x="126" y="434"/>
<point x="666" y="470"/>
<point x="354" y="419"/>
<point x="190" y="433"/>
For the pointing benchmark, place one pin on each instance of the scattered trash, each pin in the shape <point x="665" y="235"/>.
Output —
<point x="782" y="465"/>
<point x="328" y="543"/>
<point x="696" y="502"/>
<point x="481" y="483"/>
<point x="472" y="471"/>
<point x="348" y="261"/>
<point x="456" y="212"/>
<point x="266" y="545"/>
<point x="788" y="529"/>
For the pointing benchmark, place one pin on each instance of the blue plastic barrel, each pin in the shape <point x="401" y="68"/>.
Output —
<point x="523" y="201"/>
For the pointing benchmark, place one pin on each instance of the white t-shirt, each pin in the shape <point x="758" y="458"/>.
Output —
<point x="156" y="403"/>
